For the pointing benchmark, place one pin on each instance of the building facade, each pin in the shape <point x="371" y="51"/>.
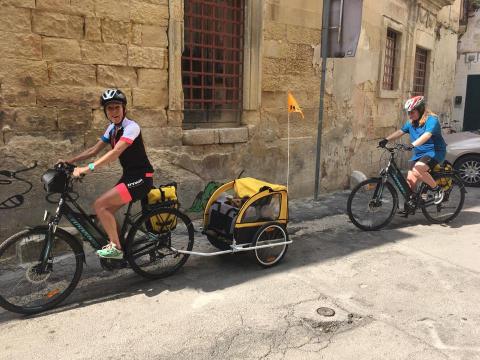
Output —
<point x="208" y="82"/>
<point x="467" y="77"/>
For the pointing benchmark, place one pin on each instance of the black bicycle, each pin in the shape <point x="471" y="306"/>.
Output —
<point x="40" y="266"/>
<point x="16" y="200"/>
<point x="373" y="202"/>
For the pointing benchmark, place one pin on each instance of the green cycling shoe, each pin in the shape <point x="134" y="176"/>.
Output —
<point x="110" y="252"/>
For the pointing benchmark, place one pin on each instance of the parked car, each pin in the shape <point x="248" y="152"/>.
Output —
<point x="463" y="151"/>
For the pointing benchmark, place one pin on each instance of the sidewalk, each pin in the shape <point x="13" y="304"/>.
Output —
<point x="330" y="204"/>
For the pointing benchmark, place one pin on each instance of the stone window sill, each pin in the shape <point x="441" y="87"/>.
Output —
<point x="389" y="94"/>
<point x="215" y="136"/>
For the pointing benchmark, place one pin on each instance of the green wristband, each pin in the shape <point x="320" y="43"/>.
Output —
<point x="91" y="166"/>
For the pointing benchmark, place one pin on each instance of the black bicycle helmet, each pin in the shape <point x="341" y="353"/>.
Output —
<point x="115" y="95"/>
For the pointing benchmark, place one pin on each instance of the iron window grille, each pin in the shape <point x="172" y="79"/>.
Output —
<point x="390" y="64"/>
<point x="212" y="61"/>
<point x="420" y="71"/>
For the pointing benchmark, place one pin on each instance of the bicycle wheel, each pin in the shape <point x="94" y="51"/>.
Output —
<point x="274" y="237"/>
<point x="450" y="207"/>
<point x="368" y="209"/>
<point x="152" y="252"/>
<point x="25" y="290"/>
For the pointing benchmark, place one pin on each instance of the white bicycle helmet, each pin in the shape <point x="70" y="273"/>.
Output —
<point x="110" y="95"/>
<point x="416" y="102"/>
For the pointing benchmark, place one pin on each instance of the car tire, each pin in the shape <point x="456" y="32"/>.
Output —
<point x="468" y="168"/>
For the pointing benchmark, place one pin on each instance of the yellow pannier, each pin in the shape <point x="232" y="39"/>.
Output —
<point x="166" y="196"/>
<point x="444" y="182"/>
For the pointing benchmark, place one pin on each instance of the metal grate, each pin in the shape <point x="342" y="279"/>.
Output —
<point x="420" y="72"/>
<point x="212" y="61"/>
<point x="390" y="61"/>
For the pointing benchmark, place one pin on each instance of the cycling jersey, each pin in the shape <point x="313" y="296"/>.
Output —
<point x="133" y="159"/>
<point x="434" y="147"/>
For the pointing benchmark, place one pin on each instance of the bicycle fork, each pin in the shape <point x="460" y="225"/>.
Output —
<point x="46" y="260"/>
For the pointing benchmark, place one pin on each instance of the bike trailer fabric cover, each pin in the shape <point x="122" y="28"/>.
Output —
<point x="247" y="187"/>
<point x="222" y="217"/>
<point x="165" y="195"/>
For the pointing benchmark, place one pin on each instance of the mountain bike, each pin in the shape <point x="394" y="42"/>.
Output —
<point x="373" y="202"/>
<point x="41" y="266"/>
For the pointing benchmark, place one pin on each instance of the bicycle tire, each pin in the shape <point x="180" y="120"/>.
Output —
<point x="11" y="250"/>
<point x="154" y="242"/>
<point x="365" y="185"/>
<point x="267" y="234"/>
<point x="456" y="182"/>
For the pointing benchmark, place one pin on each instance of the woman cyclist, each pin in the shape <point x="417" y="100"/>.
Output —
<point x="125" y="139"/>
<point x="428" y="145"/>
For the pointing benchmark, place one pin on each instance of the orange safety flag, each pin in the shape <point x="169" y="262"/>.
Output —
<point x="293" y="105"/>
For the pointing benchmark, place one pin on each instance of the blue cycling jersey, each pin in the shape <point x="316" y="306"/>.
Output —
<point x="435" y="147"/>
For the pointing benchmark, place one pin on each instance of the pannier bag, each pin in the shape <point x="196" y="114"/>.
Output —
<point x="222" y="217"/>
<point x="444" y="182"/>
<point x="166" y="196"/>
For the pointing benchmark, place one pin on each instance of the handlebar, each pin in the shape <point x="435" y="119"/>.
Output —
<point x="68" y="168"/>
<point x="65" y="167"/>
<point x="397" y="147"/>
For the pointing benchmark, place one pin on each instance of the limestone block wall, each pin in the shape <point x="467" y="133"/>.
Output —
<point x="58" y="55"/>
<point x="357" y="111"/>
<point x="57" y="58"/>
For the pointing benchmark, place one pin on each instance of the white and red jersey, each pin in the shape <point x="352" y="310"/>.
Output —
<point x="134" y="159"/>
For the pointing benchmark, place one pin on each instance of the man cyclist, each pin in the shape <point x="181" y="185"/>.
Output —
<point x="126" y="143"/>
<point x="427" y="143"/>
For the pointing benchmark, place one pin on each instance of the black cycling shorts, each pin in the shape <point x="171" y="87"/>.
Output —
<point x="427" y="160"/>
<point x="134" y="187"/>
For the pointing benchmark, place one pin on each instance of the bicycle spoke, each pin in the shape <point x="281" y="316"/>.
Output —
<point x="150" y="252"/>
<point x="367" y="209"/>
<point x="26" y="289"/>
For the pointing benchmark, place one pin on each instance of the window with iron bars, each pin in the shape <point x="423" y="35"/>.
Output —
<point x="212" y="61"/>
<point x="420" y="71"/>
<point x="391" y="59"/>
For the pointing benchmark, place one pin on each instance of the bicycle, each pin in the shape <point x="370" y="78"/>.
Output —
<point x="16" y="200"/>
<point x="41" y="266"/>
<point x="373" y="202"/>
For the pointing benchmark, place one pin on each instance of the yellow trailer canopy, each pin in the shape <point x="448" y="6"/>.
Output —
<point x="250" y="186"/>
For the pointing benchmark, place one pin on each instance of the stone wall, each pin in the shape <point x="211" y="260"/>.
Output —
<point x="57" y="58"/>
<point x="58" y="55"/>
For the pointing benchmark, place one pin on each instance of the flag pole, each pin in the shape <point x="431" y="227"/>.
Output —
<point x="288" y="146"/>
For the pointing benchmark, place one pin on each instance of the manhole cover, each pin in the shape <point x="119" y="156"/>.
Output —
<point x="325" y="311"/>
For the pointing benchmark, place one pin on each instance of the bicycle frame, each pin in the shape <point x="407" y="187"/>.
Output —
<point x="393" y="172"/>
<point x="83" y="223"/>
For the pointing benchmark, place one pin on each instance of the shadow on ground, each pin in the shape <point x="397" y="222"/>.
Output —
<point x="220" y="272"/>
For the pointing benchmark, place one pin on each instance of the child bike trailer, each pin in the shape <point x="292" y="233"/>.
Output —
<point x="248" y="214"/>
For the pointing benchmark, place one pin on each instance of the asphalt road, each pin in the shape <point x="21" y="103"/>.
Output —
<point x="407" y="292"/>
